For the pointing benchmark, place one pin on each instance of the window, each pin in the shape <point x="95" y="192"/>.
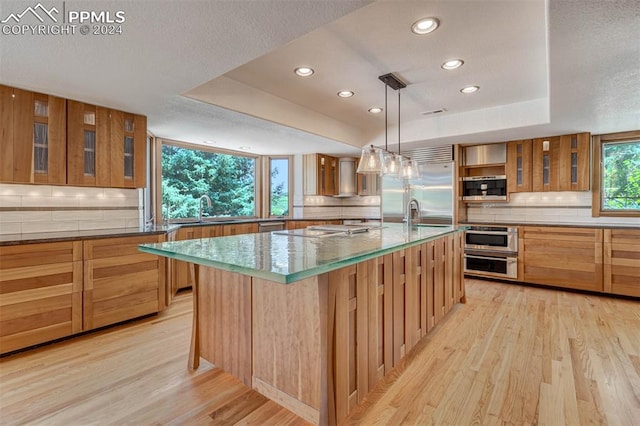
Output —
<point x="188" y="173"/>
<point x="617" y="174"/>
<point x="279" y="200"/>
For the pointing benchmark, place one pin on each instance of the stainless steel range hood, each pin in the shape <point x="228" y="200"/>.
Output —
<point x="347" y="180"/>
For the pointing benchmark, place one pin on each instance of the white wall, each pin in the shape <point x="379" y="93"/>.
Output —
<point x="567" y="207"/>
<point x="46" y="208"/>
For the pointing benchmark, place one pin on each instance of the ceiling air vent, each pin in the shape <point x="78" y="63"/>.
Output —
<point x="433" y="154"/>
<point x="435" y="111"/>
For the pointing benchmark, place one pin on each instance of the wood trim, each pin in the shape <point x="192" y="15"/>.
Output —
<point x="194" y="349"/>
<point x="308" y="413"/>
<point x="596" y="199"/>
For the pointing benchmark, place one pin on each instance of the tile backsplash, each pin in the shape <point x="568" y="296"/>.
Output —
<point x="567" y="207"/>
<point x="46" y="208"/>
<point x="321" y="207"/>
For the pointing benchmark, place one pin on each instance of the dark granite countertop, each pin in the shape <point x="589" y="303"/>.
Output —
<point x="46" y="237"/>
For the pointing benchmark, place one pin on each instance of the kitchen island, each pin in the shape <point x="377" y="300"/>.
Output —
<point x="314" y="323"/>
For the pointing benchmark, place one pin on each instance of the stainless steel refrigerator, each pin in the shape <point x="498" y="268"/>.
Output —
<point x="433" y="191"/>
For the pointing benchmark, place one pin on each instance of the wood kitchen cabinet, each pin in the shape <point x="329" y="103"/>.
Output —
<point x="320" y="175"/>
<point x="88" y="145"/>
<point x="518" y="166"/>
<point x="563" y="257"/>
<point x="128" y="133"/>
<point x="41" y="295"/>
<point x="368" y="184"/>
<point x="120" y="282"/>
<point x="239" y="228"/>
<point x="561" y="163"/>
<point x="32" y="137"/>
<point x="105" y="147"/>
<point x="622" y="261"/>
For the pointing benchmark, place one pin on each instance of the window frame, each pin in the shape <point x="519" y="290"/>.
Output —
<point x="158" y="179"/>
<point x="597" y="173"/>
<point x="267" y="185"/>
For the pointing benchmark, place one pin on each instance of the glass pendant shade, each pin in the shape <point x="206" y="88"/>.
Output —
<point x="409" y="170"/>
<point x="392" y="164"/>
<point x="371" y="161"/>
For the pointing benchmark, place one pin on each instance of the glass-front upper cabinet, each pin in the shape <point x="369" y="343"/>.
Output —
<point x="33" y="143"/>
<point x="518" y="166"/>
<point x="107" y="148"/>
<point x="128" y="150"/>
<point x="88" y="158"/>
<point x="561" y="163"/>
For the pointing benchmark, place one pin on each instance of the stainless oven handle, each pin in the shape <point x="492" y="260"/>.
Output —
<point x="508" y="259"/>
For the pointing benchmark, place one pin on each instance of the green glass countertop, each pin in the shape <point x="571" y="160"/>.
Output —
<point x="286" y="259"/>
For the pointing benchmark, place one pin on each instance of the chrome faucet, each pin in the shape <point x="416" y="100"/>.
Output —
<point x="412" y="206"/>
<point x="208" y="200"/>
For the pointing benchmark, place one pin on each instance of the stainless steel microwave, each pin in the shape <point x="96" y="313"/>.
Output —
<point x="484" y="188"/>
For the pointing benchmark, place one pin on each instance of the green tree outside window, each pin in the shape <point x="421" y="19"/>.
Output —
<point x="187" y="174"/>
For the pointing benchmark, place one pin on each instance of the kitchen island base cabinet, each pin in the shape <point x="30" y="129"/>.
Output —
<point x="320" y="345"/>
<point x="40" y="293"/>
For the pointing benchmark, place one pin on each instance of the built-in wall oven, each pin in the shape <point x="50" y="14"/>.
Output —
<point x="491" y="251"/>
<point x="484" y="188"/>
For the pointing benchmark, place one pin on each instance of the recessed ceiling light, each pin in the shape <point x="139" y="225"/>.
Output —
<point x="209" y="142"/>
<point x="244" y="148"/>
<point x="345" y="93"/>
<point x="303" y="71"/>
<point x="452" y="64"/>
<point x="470" y="89"/>
<point x="425" y="25"/>
<point x="375" y="110"/>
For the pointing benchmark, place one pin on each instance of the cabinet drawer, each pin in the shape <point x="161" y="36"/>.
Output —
<point x="120" y="282"/>
<point x="40" y="293"/>
<point x="622" y="262"/>
<point x="563" y="257"/>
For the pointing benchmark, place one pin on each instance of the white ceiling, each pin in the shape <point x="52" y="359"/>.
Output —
<point x="223" y="70"/>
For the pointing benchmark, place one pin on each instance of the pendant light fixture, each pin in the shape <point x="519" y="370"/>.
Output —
<point x="392" y="162"/>
<point x="378" y="161"/>
<point x="371" y="161"/>
<point x="408" y="168"/>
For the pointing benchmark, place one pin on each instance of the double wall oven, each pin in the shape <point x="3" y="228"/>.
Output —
<point x="491" y="251"/>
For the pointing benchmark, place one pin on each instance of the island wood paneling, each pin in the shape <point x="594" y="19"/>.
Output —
<point x="120" y="282"/>
<point x="289" y="343"/>
<point x="399" y="308"/>
<point x="321" y="345"/>
<point x="40" y="293"/>
<point x="224" y="301"/>
<point x="564" y="257"/>
<point x="622" y="261"/>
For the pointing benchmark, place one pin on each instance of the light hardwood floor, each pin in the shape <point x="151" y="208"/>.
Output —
<point x="511" y="355"/>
